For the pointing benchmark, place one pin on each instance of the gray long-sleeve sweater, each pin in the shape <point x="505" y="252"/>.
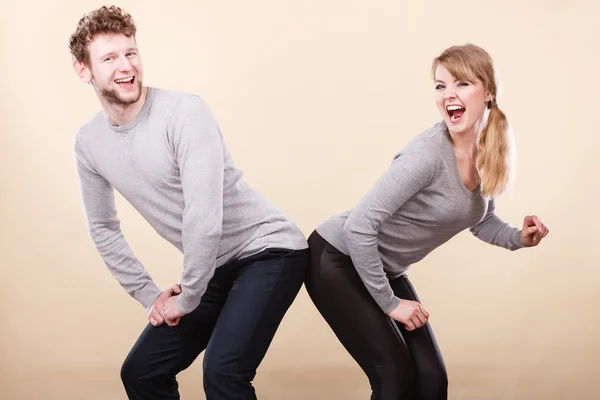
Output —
<point x="172" y="165"/>
<point x="418" y="204"/>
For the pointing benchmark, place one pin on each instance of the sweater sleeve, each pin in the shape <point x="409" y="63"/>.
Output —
<point x="199" y="153"/>
<point x="410" y="172"/>
<point x="103" y="225"/>
<point x="493" y="230"/>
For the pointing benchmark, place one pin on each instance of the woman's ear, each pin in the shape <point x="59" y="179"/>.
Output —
<point x="488" y="97"/>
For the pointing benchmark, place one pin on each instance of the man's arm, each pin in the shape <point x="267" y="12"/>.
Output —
<point x="104" y="228"/>
<point x="199" y="152"/>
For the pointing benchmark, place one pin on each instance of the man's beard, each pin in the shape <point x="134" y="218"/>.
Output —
<point x="114" y="97"/>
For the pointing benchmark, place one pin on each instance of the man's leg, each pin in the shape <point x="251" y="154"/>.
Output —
<point x="161" y="352"/>
<point x="266" y="286"/>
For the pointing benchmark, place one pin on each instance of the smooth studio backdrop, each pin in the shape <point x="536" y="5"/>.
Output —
<point x="314" y="99"/>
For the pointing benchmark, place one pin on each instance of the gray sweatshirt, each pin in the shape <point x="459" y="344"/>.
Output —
<point x="418" y="204"/>
<point x="172" y="165"/>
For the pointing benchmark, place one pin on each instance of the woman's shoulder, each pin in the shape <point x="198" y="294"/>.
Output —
<point x="428" y="143"/>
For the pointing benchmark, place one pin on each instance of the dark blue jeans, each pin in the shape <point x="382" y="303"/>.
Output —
<point x="235" y="322"/>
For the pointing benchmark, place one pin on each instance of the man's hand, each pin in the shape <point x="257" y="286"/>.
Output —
<point x="156" y="314"/>
<point x="171" y="311"/>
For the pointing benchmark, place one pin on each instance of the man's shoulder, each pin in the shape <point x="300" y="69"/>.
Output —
<point x="89" y="127"/>
<point x="176" y="102"/>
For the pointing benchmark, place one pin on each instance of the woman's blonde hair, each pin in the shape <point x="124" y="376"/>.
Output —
<point x="494" y="150"/>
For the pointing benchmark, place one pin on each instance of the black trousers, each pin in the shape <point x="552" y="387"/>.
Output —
<point x="235" y="322"/>
<point x="400" y="364"/>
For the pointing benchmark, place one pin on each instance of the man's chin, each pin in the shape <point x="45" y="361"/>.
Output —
<point x="117" y="98"/>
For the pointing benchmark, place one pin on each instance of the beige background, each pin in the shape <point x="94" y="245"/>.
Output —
<point x="314" y="98"/>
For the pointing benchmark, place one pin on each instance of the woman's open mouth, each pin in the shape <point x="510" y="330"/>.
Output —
<point x="455" y="112"/>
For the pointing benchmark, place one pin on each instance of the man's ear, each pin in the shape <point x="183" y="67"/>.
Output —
<point x="82" y="71"/>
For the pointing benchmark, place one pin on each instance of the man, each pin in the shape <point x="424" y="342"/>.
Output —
<point x="244" y="260"/>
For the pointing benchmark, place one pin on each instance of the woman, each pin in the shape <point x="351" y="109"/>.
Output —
<point x="444" y="181"/>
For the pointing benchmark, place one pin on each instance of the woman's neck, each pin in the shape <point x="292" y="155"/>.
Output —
<point x="464" y="142"/>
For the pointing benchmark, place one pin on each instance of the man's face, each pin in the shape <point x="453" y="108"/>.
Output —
<point x="115" y="68"/>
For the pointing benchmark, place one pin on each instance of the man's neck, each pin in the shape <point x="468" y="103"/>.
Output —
<point x="119" y="115"/>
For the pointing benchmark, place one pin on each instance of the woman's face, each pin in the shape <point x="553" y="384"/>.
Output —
<point x="462" y="104"/>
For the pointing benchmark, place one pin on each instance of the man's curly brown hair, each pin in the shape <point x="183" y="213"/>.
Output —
<point x="103" y="20"/>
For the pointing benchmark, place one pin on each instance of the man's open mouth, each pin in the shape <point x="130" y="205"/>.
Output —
<point x="125" y="83"/>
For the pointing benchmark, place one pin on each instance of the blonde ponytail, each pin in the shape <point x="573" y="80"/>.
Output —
<point x="494" y="158"/>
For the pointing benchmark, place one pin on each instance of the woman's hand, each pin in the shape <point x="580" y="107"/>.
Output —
<point x="533" y="231"/>
<point x="410" y="313"/>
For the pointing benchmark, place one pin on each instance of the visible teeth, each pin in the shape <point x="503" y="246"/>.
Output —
<point x="123" y="80"/>
<point x="454" y="108"/>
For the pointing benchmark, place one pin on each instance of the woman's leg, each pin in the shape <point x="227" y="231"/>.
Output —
<point x="431" y="377"/>
<point x="370" y="336"/>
